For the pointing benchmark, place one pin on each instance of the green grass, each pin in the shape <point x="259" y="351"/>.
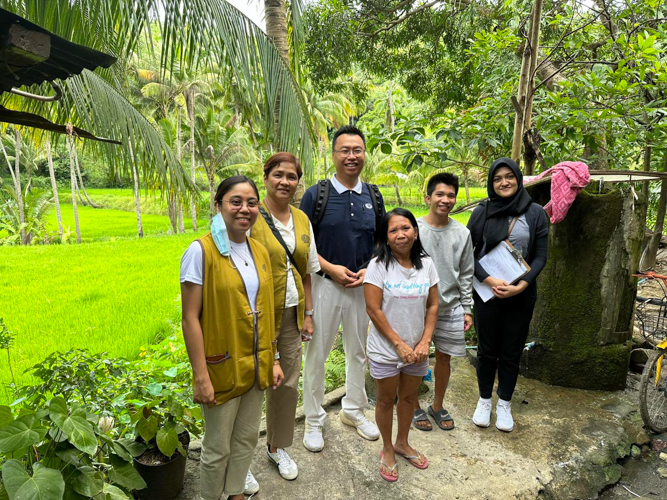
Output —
<point x="101" y="224"/>
<point x="112" y="296"/>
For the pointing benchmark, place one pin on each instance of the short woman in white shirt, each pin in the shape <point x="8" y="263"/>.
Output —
<point x="281" y="224"/>
<point x="401" y="294"/>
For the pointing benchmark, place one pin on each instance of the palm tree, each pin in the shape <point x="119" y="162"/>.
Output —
<point x="54" y="187"/>
<point x="204" y="32"/>
<point x="224" y="148"/>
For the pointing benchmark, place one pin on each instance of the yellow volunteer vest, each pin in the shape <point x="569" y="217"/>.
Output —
<point x="262" y="232"/>
<point x="239" y="345"/>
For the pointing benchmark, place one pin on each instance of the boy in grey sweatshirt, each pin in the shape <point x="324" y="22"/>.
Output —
<point x="448" y="243"/>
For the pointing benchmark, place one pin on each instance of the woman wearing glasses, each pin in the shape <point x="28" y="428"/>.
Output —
<point x="502" y="323"/>
<point x="286" y="233"/>
<point x="228" y="325"/>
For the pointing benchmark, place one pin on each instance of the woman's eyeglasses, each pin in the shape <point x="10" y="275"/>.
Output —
<point x="238" y="202"/>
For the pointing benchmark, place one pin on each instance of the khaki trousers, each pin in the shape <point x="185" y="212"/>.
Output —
<point x="333" y="305"/>
<point x="281" y="403"/>
<point x="231" y="432"/>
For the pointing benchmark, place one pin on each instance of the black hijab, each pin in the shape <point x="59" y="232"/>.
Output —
<point x="493" y="226"/>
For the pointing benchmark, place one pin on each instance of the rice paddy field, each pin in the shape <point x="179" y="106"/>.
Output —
<point x="112" y="296"/>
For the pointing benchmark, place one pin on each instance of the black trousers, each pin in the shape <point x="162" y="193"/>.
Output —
<point x="502" y="330"/>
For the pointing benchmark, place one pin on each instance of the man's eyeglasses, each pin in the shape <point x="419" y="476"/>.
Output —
<point x="347" y="151"/>
<point x="238" y="202"/>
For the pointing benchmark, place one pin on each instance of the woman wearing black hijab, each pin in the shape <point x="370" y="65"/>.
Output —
<point x="502" y="322"/>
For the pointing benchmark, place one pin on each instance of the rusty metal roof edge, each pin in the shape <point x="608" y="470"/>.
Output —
<point x="639" y="176"/>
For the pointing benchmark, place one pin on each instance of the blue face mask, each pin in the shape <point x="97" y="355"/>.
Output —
<point x="219" y="234"/>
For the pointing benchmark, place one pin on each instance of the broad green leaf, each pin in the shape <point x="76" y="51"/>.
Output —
<point x="154" y="389"/>
<point x="171" y="372"/>
<point x="125" y="474"/>
<point x="88" y="483"/>
<point x="147" y="428"/>
<point x="133" y="447"/>
<point x="6" y="416"/>
<point x="114" y="493"/>
<point x="45" y="483"/>
<point x="75" y="425"/>
<point x="167" y="441"/>
<point x="21" y="433"/>
<point x="385" y="147"/>
<point x="70" y="456"/>
<point x="121" y="452"/>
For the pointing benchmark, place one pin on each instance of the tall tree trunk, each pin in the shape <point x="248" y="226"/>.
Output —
<point x="398" y="196"/>
<point x="54" y="188"/>
<point x="193" y="171"/>
<point x="210" y="174"/>
<point x="72" y="180"/>
<point x="17" y="183"/>
<point x="78" y="171"/>
<point x="465" y="183"/>
<point x="137" y="199"/>
<point x="390" y="108"/>
<point x="654" y="243"/>
<point x="276" y="29"/>
<point x="524" y="93"/>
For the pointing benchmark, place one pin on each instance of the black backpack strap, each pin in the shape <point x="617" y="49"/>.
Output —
<point x="323" y="188"/>
<point x="374" y="191"/>
<point x="276" y="233"/>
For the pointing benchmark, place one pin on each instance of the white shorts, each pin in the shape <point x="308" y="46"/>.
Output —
<point x="449" y="336"/>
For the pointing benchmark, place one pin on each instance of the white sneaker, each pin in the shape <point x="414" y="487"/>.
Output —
<point x="504" y="420"/>
<point x="312" y="438"/>
<point x="482" y="415"/>
<point x="365" y="428"/>
<point x="251" y="484"/>
<point x="286" y="466"/>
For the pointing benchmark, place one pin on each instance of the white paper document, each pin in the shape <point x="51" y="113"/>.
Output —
<point x="503" y="262"/>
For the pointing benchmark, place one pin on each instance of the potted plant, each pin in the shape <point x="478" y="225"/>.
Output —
<point x="163" y="427"/>
<point x="54" y="450"/>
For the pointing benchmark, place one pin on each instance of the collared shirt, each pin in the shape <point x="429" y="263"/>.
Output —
<point x="345" y="235"/>
<point x="287" y="232"/>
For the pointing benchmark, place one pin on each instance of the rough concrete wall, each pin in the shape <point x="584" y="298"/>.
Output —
<point x="583" y="317"/>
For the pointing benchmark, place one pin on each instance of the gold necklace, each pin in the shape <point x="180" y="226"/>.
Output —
<point x="240" y="256"/>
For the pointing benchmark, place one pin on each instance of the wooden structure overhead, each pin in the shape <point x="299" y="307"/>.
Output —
<point x="30" y="55"/>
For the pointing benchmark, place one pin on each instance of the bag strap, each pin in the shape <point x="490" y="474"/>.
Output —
<point x="276" y="233"/>
<point x="512" y="224"/>
<point x="323" y="188"/>
<point x="374" y="191"/>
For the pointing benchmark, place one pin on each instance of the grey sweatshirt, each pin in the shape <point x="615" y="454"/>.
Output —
<point x="450" y="248"/>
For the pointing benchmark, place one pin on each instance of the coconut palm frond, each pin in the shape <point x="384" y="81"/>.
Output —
<point x="209" y="33"/>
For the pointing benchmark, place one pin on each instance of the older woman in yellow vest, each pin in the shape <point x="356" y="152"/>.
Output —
<point x="229" y="330"/>
<point x="286" y="233"/>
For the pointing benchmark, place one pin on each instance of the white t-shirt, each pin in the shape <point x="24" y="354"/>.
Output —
<point x="404" y="296"/>
<point x="191" y="267"/>
<point x="287" y="232"/>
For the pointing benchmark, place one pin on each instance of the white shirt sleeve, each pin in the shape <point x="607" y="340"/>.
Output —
<point x="313" y="261"/>
<point x="191" y="264"/>
<point x="375" y="274"/>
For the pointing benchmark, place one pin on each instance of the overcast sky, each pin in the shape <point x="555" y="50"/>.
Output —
<point x="254" y="9"/>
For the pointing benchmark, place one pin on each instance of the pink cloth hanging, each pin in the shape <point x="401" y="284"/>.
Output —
<point x="568" y="178"/>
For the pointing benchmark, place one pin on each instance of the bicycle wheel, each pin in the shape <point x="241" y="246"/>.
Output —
<point x="653" y="392"/>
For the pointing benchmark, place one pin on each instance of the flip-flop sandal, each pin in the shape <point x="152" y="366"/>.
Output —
<point x="385" y="476"/>
<point x="414" y="461"/>
<point x="420" y="416"/>
<point x="440" y="417"/>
